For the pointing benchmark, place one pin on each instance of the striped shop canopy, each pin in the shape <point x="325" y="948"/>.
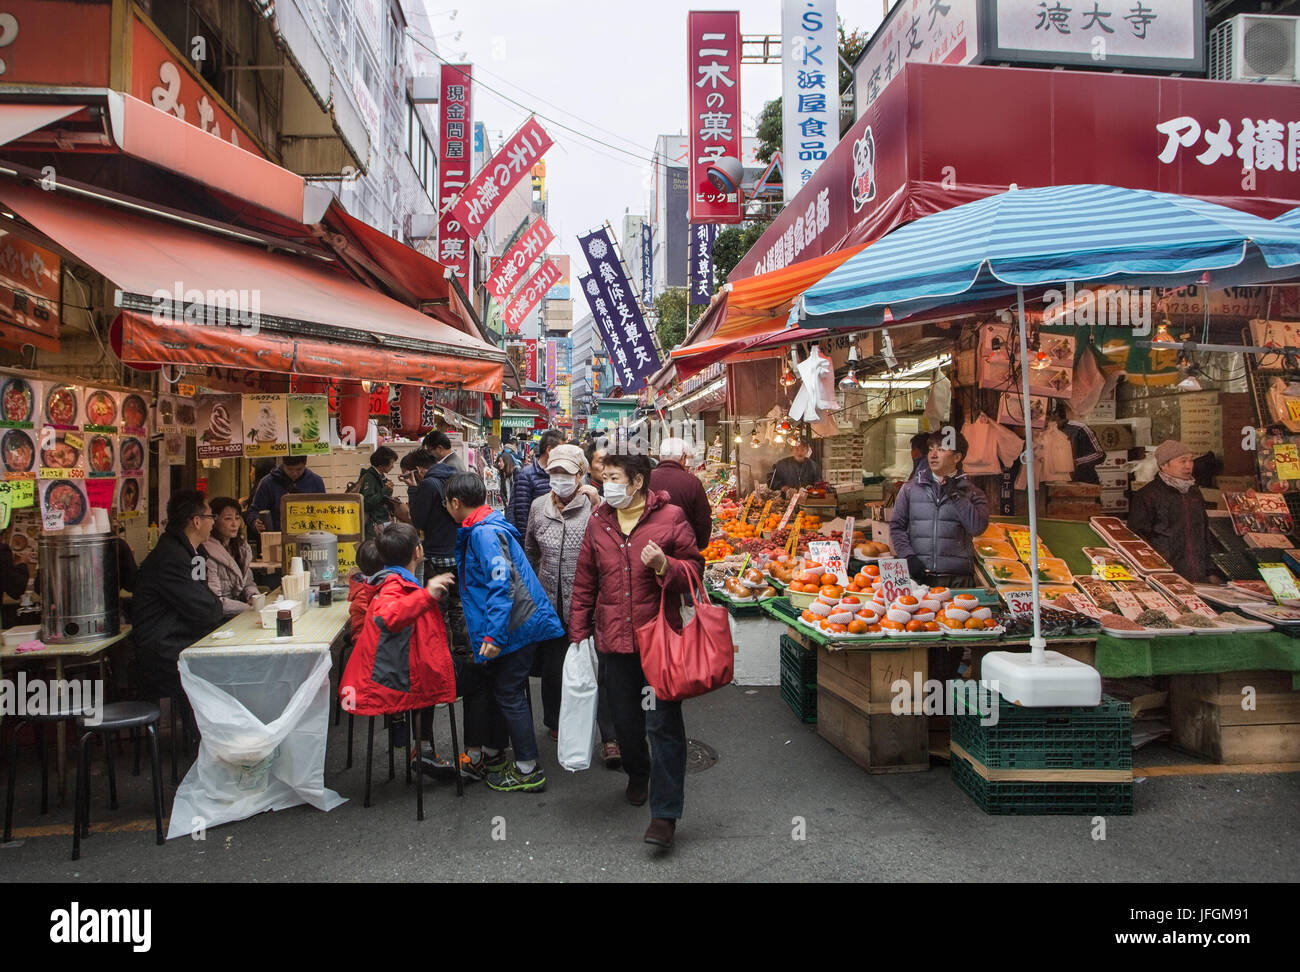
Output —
<point x="1036" y="238"/>
<point x="1289" y="218"/>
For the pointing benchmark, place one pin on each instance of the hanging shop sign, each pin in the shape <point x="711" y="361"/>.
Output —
<point x="714" y="79"/>
<point x="648" y="265"/>
<point x="810" y="89"/>
<point x="455" y="122"/>
<point x="490" y="186"/>
<point x="29" y="286"/>
<point x="552" y="366"/>
<point x="531" y="294"/>
<point x="509" y="271"/>
<point x="703" y="236"/>
<point x="266" y="425"/>
<point x="621" y="323"/>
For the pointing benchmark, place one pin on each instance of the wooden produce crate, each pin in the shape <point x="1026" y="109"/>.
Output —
<point x="1207" y="717"/>
<point x="853" y="707"/>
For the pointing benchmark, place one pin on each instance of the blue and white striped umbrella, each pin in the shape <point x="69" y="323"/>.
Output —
<point x="1290" y="218"/>
<point x="1034" y="238"/>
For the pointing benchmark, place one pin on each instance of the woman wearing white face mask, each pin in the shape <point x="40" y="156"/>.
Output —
<point x="556" y="523"/>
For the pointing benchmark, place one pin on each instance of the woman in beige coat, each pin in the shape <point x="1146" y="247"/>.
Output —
<point x="229" y="558"/>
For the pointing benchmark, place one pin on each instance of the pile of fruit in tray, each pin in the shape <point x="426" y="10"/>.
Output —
<point x="717" y="550"/>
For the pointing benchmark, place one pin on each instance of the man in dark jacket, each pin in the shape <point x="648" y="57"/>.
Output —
<point x="683" y="487"/>
<point x="429" y="515"/>
<point x="531" y="481"/>
<point x="291" y="476"/>
<point x="173" y="607"/>
<point x="937" y="515"/>
<point x="795" y="471"/>
<point x="1169" y="513"/>
<point x="439" y="443"/>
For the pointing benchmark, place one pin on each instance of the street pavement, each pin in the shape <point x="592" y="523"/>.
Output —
<point x="780" y="804"/>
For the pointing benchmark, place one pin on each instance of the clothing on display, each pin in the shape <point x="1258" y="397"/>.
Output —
<point x="1087" y="450"/>
<point x="992" y="447"/>
<point x="817" y="390"/>
<point x="939" y="405"/>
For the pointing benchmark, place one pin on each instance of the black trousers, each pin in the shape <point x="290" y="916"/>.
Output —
<point x="636" y="712"/>
<point x="484" y="723"/>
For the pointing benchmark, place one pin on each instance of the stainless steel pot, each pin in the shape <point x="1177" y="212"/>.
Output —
<point x="79" y="588"/>
<point x="320" y="555"/>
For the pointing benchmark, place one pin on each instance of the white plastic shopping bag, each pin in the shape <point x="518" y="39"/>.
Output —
<point x="578" y="707"/>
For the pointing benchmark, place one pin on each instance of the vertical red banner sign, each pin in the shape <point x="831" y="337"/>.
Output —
<point x="531" y="294"/>
<point x="455" y="158"/>
<point x="714" y="59"/>
<point x="509" y="270"/>
<point x="512" y="162"/>
<point x="530" y="359"/>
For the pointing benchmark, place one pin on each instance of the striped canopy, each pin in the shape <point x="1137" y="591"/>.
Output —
<point x="1290" y="218"/>
<point x="1041" y="237"/>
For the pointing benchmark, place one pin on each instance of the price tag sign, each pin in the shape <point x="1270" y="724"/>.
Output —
<point x="795" y="500"/>
<point x="74" y="440"/>
<point x="848" y="537"/>
<point x="744" y="514"/>
<point x="1020" y="538"/>
<point x="20" y="493"/>
<point x="1287" y="458"/>
<point x="53" y="521"/>
<point x="894" y="578"/>
<point x="1128" y="605"/>
<point x="1082" y="605"/>
<point x="4" y="512"/>
<point x="1019" y="602"/>
<point x="1293" y="408"/>
<point x="1111" y="572"/>
<point x="792" y="544"/>
<point x="767" y="508"/>
<point x="1280" y="581"/>
<point x="186" y="391"/>
<point x="827" y="553"/>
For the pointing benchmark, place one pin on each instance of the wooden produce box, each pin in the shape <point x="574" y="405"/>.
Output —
<point x="1207" y="717"/>
<point x="853" y="707"/>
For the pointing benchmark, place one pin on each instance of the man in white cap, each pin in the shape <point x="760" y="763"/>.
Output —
<point x="1169" y="513"/>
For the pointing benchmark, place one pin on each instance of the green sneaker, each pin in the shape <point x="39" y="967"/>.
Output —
<point x="511" y="779"/>
<point x="498" y="763"/>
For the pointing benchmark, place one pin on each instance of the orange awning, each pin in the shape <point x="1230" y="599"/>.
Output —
<point x="295" y="297"/>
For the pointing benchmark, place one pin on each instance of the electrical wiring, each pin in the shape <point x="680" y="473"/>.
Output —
<point x="554" y="121"/>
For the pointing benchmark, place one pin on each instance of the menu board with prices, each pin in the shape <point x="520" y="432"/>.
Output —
<point x="266" y="426"/>
<point x="220" y="420"/>
<point x="308" y="425"/>
<point x="337" y="513"/>
<point x="1201" y="421"/>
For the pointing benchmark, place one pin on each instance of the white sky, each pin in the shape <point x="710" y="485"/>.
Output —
<point x="617" y="65"/>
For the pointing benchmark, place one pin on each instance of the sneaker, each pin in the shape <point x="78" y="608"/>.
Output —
<point x="612" y="756"/>
<point x="511" y="779"/>
<point x="473" y="772"/>
<point x="431" y="764"/>
<point x="498" y="763"/>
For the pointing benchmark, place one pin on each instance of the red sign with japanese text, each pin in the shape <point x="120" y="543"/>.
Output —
<point x="530" y="359"/>
<point x="531" y="294"/>
<point x="168" y="83"/>
<point x="47" y="42"/>
<point x="455" y="159"/>
<point x="29" y="286"/>
<point x="512" y="162"/>
<point x="713" y="41"/>
<point x="509" y="271"/>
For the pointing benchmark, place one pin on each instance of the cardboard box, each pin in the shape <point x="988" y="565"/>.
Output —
<point x="1114" y="500"/>
<point x="1114" y="437"/>
<point x="1112" y="478"/>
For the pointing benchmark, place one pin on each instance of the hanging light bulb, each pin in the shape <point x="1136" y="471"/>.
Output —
<point x="785" y="425"/>
<point x="788" y="377"/>
<point x="793" y="438"/>
<point x="995" y="350"/>
<point x="850" y="380"/>
<point x="736" y="440"/>
<point x="1162" y="333"/>
<point x="853" y="353"/>
<point x="1040" y="360"/>
<point x="778" y="438"/>
<point x="754" y="439"/>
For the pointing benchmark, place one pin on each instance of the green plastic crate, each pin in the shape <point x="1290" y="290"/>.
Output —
<point x="1040" y="798"/>
<point x="798" y="662"/>
<point x="802" y="700"/>
<point x="1095" y="737"/>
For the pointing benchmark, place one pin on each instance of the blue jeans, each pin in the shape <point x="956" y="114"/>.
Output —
<point x="663" y="762"/>
<point x="508" y="677"/>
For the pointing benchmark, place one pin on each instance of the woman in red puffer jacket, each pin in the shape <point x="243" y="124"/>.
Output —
<point x="637" y="545"/>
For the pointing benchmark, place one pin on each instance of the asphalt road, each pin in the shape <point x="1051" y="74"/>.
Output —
<point x="742" y="823"/>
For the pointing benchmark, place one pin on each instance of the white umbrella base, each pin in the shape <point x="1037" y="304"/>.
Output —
<point x="1057" y="680"/>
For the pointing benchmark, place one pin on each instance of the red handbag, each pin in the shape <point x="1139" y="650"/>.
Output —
<point x="696" y="660"/>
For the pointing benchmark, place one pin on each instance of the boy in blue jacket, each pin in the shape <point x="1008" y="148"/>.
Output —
<point x="507" y="614"/>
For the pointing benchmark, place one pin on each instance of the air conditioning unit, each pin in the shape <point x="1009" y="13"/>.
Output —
<point x="1251" y="47"/>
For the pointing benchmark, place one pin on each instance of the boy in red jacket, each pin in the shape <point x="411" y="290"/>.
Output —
<point x="360" y="590"/>
<point x="401" y="660"/>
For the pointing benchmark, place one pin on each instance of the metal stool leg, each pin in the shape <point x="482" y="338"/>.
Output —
<point x="112" y="776"/>
<point x="370" y="750"/>
<point x="84" y="757"/>
<point x="172" y="716"/>
<point x="78" y="797"/>
<point x="135" y="737"/>
<point x="156" y="766"/>
<point x="455" y="749"/>
<point x="349" y="762"/>
<point x="392" y="766"/>
<point x="9" y="790"/>
<point x="418" y="718"/>
<point x="409" y="729"/>
<point x="45" y="768"/>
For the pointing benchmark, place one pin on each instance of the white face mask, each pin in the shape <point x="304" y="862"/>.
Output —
<point x="616" y="495"/>
<point x="563" y="485"/>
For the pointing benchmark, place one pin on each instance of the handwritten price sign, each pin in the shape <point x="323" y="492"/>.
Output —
<point x="827" y="553"/>
<point x="1019" y="602"/>
<point x="894" y="578"/>
<point x="1111" y="572"/>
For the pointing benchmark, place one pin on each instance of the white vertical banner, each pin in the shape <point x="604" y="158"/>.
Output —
<point x="810" y="89"/>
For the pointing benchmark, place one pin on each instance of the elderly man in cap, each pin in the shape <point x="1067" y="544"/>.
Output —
<point x="1169" y="513"/>
<point x="683" y="487"/>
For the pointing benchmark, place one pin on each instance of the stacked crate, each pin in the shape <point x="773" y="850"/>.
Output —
<point x="1046" y="760"/>
<point x="799" y="678"/>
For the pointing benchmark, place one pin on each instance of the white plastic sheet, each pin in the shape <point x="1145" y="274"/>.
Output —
<point x="263" y="714"/>
<point x="577" y="733"/>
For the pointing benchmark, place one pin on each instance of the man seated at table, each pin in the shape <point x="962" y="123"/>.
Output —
<point x="291" y="476"/>
<point x="173" y="606"/>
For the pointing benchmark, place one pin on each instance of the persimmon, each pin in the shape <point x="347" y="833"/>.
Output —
<point x="857" y="627"/>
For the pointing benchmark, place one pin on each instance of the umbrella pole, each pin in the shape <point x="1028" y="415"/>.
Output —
<point x="1037" y="643"/>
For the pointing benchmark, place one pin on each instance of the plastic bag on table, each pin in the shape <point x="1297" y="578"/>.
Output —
<point x="577" y="732"/>
<point x="263" y="750"/>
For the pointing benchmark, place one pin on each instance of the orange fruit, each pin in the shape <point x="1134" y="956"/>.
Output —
<point x="837" y="628"/>
<point x="974" y="624"/>
<point x="857" y="627"/>
<point x="871" y="570"/>
<point x="908" y="599"/>
<point x="850" y="599"/>
<point x="931" y="626"/>
<point x="809" y="616"/>
<point x="915" y="626"/>
<point x="873" y="628"/>
<point x="832" y="590"/>
<point x="891" y="625"/>
<point x="828" y="579"/>
<point x="938" y="590"/>
<point x="990" y="623"/>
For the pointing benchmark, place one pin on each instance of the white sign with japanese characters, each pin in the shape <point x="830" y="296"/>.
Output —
<point x="810" y="89"/>
<point x="928" y="31"/>
<point x="1099" y="31"/>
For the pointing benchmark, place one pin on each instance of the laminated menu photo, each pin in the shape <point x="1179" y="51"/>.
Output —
<point x="102" y="410"/>
<point x="220" y="421"/>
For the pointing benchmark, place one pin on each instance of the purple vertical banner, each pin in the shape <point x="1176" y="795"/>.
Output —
<point x="701" y="259"/>
<point x="647" y="266"/>
<point x="613" y="305"/>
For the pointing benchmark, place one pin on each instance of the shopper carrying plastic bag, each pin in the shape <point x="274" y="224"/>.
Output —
<point x="578" y="696"/>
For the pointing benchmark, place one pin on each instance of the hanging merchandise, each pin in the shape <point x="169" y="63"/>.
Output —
<point x="991" y="447"/>
<point x="939" y="405"/>
<point x="1284" y="403"/>
<point x="1053" y="458"/>
<point x="1089" y="382"/>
